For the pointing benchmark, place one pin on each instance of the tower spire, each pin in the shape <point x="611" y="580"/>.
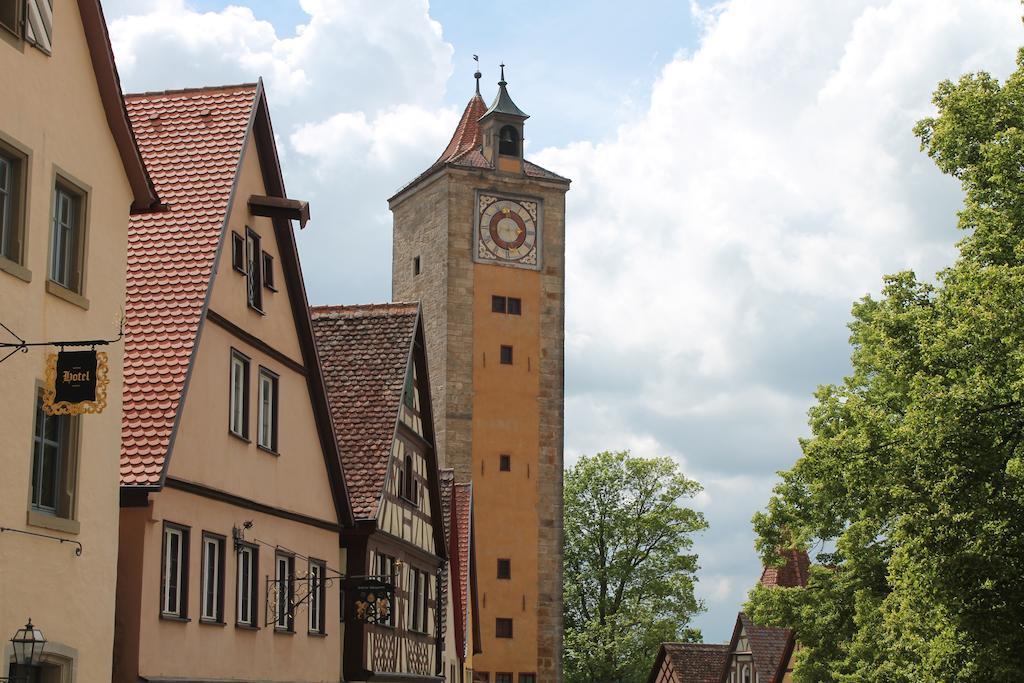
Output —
<point x="502" y="81"/>
<point x="477" y="74"/>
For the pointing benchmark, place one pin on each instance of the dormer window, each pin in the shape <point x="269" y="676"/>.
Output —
<point x="508" y="141"/>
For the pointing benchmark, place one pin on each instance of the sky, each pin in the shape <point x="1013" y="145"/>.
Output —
<point x="742" y="172"/>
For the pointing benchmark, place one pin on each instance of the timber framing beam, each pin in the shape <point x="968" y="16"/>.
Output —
<point x="280" y="207"/>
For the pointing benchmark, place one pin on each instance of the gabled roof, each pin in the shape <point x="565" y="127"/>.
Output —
<point x="365" y="352"/>
<point x="691" y="662"/>
<point x="793" y="574"/>
<point x="109" y="84"/>
<point x="465" y="150"/>
<point x="192" y="142"/>
<point x="769" y="646"/>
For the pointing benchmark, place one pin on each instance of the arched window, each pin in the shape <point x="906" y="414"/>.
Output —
<point x="746" y="674"/>
<point x="508" y="141"/>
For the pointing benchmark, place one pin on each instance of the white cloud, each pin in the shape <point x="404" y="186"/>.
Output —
<point x="716" y="242"/>
<point x="356" y="96"/>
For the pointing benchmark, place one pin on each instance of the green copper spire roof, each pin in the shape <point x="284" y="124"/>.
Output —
<point x="503" y="103"/>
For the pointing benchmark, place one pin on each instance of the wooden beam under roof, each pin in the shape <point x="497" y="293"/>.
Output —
<point x="280" y="207"/>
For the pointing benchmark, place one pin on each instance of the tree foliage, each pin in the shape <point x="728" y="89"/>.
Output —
<point x="914" y="473"/>
<point x="628" y="578"/>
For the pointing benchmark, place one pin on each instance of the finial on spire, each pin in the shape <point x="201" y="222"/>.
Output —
<point x="476" y="74"/>
<point x="502" y="81"/>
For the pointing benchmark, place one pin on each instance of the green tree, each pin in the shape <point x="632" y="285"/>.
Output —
<point x="913" y="475"/>
<point x="628" y="578"/>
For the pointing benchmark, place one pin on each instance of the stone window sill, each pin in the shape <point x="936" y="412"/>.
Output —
<point x="63" y="292"/>
<point x="16" y="269"/>
<point x="45" y="521"/>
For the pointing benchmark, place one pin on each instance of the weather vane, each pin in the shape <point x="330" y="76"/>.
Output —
<point x="476" y="74"/>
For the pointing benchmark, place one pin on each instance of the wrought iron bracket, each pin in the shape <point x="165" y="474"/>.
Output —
<point x="23" y="346"/>
<point x="78" y="548"/>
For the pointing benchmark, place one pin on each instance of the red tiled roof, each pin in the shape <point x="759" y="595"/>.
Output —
<point x="462" y="520"/>
<point x="446" y="484"/>
<point x="793" y="574"/>
<point x="467" y="134"/>
<point x="364" y="355"/>
<point x="694" y="662"/>
<point x="768" y="645"/>
<point x="191" y="141"/>
<point x="465" y="149"/>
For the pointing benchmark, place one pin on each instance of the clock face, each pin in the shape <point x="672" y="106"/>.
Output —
<point x="507" y="230"/>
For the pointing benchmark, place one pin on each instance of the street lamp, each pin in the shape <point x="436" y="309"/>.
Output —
<point x="28" y="644"/>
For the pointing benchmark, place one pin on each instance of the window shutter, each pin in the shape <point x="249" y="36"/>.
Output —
<point x="268" y="272"/>
<point x="39" y="24"/>
<point x="237" y="252"/>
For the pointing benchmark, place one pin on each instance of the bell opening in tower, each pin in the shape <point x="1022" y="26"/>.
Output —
<point x="508" y="141"/>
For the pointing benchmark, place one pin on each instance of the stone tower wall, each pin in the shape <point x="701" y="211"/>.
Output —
<point x="435" y="221"/>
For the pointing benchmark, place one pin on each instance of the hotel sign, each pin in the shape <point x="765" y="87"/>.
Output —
<point x="76" y="383"/>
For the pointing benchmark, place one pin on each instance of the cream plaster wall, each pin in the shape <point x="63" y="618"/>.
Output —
<point x="195" y="650"/>
<point x="61" y="124"/>
<point x="228" y="298"/>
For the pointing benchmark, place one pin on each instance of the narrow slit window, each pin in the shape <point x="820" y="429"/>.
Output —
<point x="416" y="265"/>
<point x="268" y="272"/>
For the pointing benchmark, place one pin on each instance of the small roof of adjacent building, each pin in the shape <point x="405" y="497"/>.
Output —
<point x="690" y="662"/>
<point x="365" y="353"/>
<point x="792" y="574"/>
<point x="770" y="647"/>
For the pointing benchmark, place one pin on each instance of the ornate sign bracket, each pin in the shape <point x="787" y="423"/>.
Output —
<point x="23" y="346"/>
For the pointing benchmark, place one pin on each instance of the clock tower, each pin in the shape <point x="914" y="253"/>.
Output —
<point x="479" y="240"/>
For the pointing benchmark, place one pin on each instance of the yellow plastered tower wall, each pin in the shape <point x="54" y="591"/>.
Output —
<point x="479" y="240"/>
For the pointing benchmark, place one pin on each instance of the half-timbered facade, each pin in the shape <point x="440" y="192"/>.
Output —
<point x="232" y="496"/>
<point x="375" y="368"/>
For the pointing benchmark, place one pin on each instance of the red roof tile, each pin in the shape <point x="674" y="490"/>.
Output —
<point x="693" y="662"/>
<point x="768" y="645"/>
<point x="793" y="574"/>
<point x="364" y="354"/>
<point x="462" y="521"/>
<point x="467" y="134"/>
<point x="465" y="149"/>
<point x="191" y="142"/>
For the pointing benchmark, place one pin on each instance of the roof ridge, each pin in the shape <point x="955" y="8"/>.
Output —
<point x="197" y="89"/>
<point x="386" y="307"/>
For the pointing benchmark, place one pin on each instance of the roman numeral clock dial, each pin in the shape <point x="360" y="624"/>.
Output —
<point x="507" y="230"/>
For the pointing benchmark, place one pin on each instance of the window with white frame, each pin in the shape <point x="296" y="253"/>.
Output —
<point x="245" y="589"/>
<point x="238" y="409"/>
<point x="267" y="419"/>
<point x="54" y="462"/>
<point x="316" y="596"/>
<point x="419" y="593"/>
<point x="253" y="269"/>
<point x="11" y="185"/>
<point x="284" y="590"/>
<point x="174" y="574"/>
<point x="67" y="237"/>
<point x="213" y="579"/>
